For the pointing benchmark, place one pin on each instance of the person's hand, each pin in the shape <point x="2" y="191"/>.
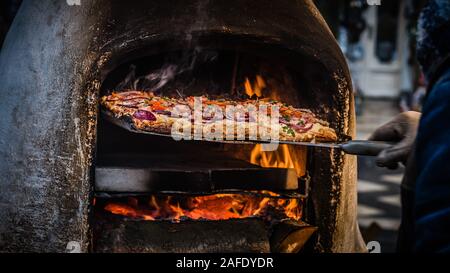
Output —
<point x="402" y="130"/>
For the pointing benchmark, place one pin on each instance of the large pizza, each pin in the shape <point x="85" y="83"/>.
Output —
<point x="151" y="113"/>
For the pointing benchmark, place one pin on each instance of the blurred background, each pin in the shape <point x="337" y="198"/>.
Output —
<point x="378" y="38"/>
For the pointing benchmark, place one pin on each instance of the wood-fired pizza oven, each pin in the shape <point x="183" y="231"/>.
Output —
<point x="72" y="177"/>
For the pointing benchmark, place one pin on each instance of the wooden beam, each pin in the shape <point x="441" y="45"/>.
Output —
<point x="114" y="234"/>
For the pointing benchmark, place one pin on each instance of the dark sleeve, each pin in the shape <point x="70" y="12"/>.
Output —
<point x="433" y="161"/>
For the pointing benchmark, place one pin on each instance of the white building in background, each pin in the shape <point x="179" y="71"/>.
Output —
<point x="380" y="65"/>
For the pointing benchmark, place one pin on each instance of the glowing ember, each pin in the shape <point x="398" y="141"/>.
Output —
<point x="209" y="207"/>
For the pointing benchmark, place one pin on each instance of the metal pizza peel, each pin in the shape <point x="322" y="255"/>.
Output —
<point x="353" y="147"/>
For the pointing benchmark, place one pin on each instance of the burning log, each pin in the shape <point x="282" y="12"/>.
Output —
<point x="118" y="235"/>
<point x="291" y="236"/>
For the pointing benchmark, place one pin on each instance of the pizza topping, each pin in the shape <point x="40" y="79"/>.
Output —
<point x="144" y="115"/>
<point x="289" y="131"/>
<point x="128" y="106"/>
<point x="158" y="106"/>
<point x="131" y="94"/>
<point x="303" y="128"/>
<point x="162" y="112"/>
<point x="236" y="116"/>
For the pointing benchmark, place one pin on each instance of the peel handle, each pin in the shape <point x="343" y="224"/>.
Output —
<point x="365" y="147"/>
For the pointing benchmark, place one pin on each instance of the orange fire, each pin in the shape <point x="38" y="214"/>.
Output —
<point x="209" y="207"/>
<point x="257" y="87"/>
<point x="284" y="157"/>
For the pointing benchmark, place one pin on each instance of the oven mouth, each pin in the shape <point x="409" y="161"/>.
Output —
<point x="215" y="72"/>
<point x="132" y="168"/>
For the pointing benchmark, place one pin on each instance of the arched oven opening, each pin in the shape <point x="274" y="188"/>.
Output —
<point x="155" y="194"/>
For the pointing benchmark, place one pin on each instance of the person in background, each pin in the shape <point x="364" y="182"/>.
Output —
<point x="424" y="146"/>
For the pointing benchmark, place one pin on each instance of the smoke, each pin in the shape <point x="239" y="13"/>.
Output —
<point x="191" y="57"/>
<point x="151" y="82"/>
<point x="155" y="80"/>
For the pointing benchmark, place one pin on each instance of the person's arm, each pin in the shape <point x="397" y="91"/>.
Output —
<point x="432" y="204"/>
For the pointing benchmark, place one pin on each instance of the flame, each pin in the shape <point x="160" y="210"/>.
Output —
<point x="283" y="157"/>
<point x="257" y="87"/>
<point x="209" y="207"/>
<point x="126" y="210"/>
